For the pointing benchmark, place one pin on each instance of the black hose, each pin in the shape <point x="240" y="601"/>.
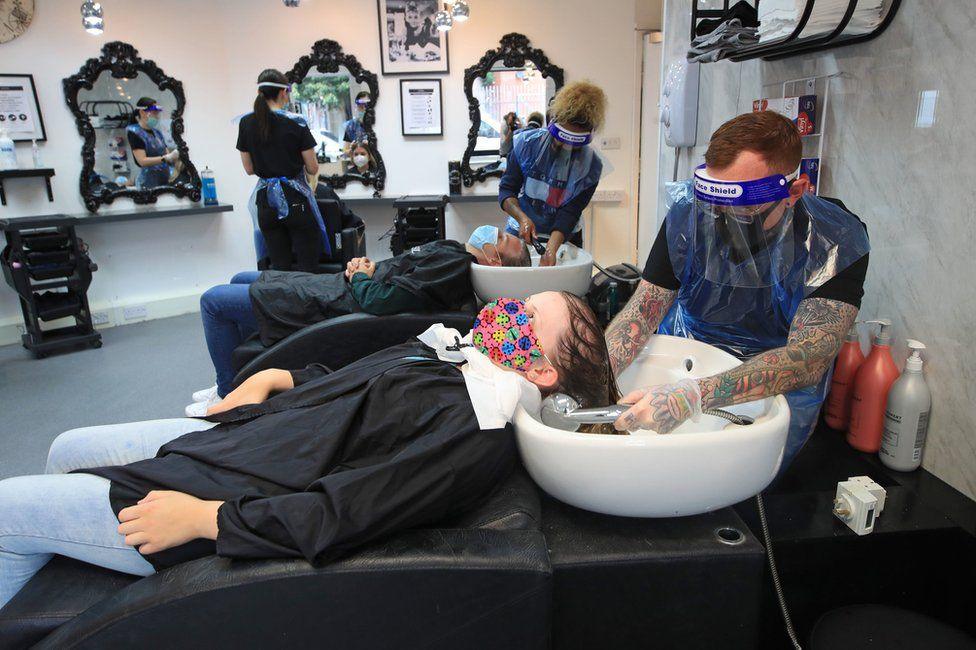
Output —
<point x="619" y="278"/>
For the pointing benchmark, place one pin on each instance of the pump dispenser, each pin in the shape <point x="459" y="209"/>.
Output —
<point x="837" y="409"/>
<point x="872" y="382"/>
<point x="907" y="415"/>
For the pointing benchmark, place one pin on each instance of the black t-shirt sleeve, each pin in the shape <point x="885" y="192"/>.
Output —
<point x="242" y="144"/>
<point x="135" y="141"/>
<point x="307" y="140"/>
<point x="658" y="269"/>
<point x="847" y="286"/>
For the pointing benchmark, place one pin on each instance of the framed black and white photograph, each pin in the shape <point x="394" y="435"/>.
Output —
<point x="420" y="107"/>
<point x="20" y="112"/>
<point x="410" y="43"/>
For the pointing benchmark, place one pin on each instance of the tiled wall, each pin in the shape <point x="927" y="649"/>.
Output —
<point x="910" y="185"/>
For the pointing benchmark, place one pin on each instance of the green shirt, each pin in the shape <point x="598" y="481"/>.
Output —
<point x="381" y="299"/>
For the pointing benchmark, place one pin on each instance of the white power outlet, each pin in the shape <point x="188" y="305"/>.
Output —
<point x="99" y="318"/>
<point x="134" y="312"/>
<point x="609" y="196"/>
<point x="610" y="143"/>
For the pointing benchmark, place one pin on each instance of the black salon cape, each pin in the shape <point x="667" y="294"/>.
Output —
<point x="381" y="445"/>
<point x="438" y="274"/>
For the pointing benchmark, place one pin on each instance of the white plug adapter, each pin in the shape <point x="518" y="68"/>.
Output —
<point x="856" y="506"/>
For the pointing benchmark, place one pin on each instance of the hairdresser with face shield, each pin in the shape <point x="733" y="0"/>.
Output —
<point x="148" y="145"/>
<point x="277" y="147"/>
<point x="552" y="173"/>
<point x="750" y="261"/>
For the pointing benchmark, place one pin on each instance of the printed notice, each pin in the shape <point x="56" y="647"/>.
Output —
<point x="421" y="107"/>
<point x="16" y="108"/>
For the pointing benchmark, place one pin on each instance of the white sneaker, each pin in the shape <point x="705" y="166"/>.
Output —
<point x="199" y="409"/>
<point x="205" y="394"/>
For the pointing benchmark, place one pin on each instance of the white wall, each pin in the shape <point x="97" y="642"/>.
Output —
<point x="218" y="48"/>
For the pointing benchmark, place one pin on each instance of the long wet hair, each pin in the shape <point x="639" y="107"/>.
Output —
<point x="583" y="362"/>
<point x="262" y="112"/>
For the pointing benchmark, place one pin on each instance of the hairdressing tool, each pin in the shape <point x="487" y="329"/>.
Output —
<point x="561" y="411"/>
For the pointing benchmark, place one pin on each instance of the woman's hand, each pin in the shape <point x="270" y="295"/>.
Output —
<point x="527" y="230"/>
<point x="254" y="390"/>
<point x="164" y="519"/>
<point x="172" y="156"/>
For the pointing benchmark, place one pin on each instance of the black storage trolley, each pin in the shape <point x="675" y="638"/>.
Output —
<point x="48" y="267"/>
<point x="419" y="220"/>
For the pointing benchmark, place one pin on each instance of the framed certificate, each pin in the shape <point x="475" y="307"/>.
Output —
<point x="20" y="113"/>
<point x="420" y="107"/>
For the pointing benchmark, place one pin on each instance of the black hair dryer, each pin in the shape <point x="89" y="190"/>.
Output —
<point x="610" y="290"/>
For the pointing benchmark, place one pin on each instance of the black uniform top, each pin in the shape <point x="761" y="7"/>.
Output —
<point x="281" y="154"/>
<point x="847" y="286"/>
<point x="381" y="445"/>
<point x="437" y="274"/>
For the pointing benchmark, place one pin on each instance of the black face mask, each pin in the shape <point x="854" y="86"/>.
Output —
<point x="744" y="239"/>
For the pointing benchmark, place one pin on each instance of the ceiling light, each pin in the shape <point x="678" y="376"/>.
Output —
<point x="461" y="11"/>
<point x="443" y="20"/>
<point x="92" y="18"/>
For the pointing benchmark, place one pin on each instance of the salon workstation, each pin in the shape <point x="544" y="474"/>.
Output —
<point x="486" y="324"/>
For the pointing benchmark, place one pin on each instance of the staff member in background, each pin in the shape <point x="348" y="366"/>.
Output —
<point x="148" y="145"/>
<point x="510" y="124"/>
<point x="552" y="173"/>
<point x="749" y="261"/>
<point x="278" y="147"/>
<point x="353" y="130"/>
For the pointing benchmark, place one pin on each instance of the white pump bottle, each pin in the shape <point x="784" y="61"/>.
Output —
<point x="906" y="420"/>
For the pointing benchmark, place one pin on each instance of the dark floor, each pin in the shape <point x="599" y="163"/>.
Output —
<point x="143" y="371"/>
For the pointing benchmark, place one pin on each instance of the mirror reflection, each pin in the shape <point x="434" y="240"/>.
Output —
<point x="334" y="105"/>
<point x="134" y="144"/>
<point x="510" y="100"/>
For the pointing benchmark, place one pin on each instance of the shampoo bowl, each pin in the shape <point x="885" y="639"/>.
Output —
<point x="573" y="275"/>
<point x="699" y="467"/>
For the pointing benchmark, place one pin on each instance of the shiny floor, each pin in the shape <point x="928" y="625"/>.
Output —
<point x="143" y="371"/>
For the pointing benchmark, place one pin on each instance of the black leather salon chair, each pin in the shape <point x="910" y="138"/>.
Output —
<point x="480" y="581"/>
<point x="870" y="626"/>
<point x="339" y="341"/>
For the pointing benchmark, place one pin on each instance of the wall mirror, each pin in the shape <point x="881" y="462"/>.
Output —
<point x="504" y="89"/>
<point x="338" y="97"/>
<point x="130" y="114"/>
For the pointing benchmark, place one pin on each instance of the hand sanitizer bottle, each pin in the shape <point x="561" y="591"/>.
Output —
<point x="8" y="153"/>
<point x="36" y="155"/>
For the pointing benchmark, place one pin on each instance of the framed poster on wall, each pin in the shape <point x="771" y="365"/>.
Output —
<point x="409" y="41"/>
<point x="20" y="112"/>
<point x="420" y="107"/>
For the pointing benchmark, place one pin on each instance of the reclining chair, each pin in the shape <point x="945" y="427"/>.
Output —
<point x="480" y="581"/>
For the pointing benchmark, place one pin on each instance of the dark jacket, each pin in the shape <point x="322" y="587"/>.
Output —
<point x="381" y="445"/>
<point x="437" y="274"/>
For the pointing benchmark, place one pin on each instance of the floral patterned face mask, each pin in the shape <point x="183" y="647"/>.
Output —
<point x="502" y="331"/>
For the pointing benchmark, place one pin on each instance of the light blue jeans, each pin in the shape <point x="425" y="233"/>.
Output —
<point x="70" y="514"/>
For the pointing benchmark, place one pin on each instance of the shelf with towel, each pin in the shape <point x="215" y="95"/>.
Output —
<point x="795" y="42"/>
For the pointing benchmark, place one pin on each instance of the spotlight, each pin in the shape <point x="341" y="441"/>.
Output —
<point x="92" y="18"/>
<point x="461" y="11"/>
<point x="443" y="20"/>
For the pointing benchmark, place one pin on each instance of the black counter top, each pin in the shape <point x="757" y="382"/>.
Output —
<point x="110" y="216"/>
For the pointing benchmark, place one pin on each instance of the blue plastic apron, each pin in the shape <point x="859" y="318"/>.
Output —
<point x="155" y="146"/>
<point x="747" y="321"/>
<point x="277" y="200"/>
<point x="553" y="178"/>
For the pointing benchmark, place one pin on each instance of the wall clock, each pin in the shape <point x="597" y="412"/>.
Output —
<point x="15" y="18"/>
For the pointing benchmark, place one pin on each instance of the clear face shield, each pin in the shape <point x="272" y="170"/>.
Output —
<point x="744" y="229"/>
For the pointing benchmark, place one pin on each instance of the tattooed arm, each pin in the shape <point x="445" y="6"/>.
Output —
<point x="816" y="334"/>
<point x="635" y="323"/>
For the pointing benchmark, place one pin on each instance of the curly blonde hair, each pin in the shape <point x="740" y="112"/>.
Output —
<point x="580" y="103"/>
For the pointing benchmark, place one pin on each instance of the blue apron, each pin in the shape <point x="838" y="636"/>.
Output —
<point x="747" y="321"/>
<point x="552" y="178"/>
<point x="155" y="146"/>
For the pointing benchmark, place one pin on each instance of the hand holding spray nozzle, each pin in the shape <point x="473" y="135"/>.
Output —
<point x="561" y="411"/>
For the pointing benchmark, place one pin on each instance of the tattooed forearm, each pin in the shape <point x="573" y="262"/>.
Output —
<point x="816" y="335"/>
<point x="635" y="323"/>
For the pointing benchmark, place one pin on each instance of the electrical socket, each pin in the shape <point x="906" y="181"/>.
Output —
<point x="134" y="312"/>
<point x="99" y="318"/>
<point x="610" y="143"/>
<point x="609" y="196"/>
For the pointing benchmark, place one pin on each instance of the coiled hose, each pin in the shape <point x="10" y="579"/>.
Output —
<point x="775" y="574"/>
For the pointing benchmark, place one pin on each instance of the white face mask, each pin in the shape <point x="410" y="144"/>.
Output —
<point x="360" y="161"/>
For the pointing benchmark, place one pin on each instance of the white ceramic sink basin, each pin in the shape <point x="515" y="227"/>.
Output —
<point x="701" y="466"/>
<point x="573" y="275"/>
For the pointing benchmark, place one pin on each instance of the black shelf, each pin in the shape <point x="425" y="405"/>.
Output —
<point x="40" y="172"/>
<point x="108" y="216"/>
<point x="793" y="45"/>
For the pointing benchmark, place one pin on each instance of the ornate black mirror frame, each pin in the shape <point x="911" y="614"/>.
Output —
<point x="327" y="56"/>
<point x="123" y="61"/>
<point x="514" y="50"/>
